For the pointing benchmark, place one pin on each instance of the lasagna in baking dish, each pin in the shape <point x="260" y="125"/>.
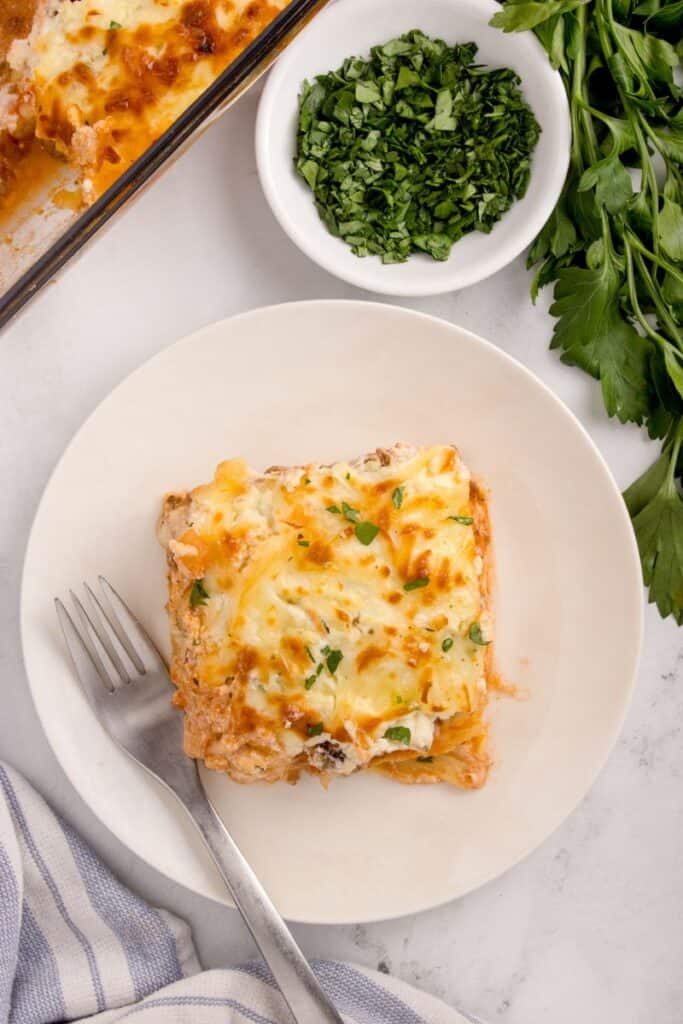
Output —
<point x="328" y="619"/>
<point x="96" y="81"/>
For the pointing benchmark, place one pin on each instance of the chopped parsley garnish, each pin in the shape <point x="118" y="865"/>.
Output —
<point x="309" y="652"/>
<point x="398" y="734"/>
<point x="476" y="636"/>
<point x="348" y="476"/>
<point x="447" y="643"/>
<point x="425" y="760"/>
<point x="350" y="513"/>
<point x="315" y="730"/>
<point x="325" y="626"/>
<point x="397" y="497"/>
<point x="464" y="520"/>
<point x="303" y="543"/>
<point x="412" y="148"/>
<point x="307" y="479"/>
<point x="332" y="659"/>
<point x="333" y="508"/>
<point x="115" y="25"/>
<point x="310" y="680"/>
<point x="199" y="594"/>
<point x="419" y="581"/>
<point x="366" y="532"/>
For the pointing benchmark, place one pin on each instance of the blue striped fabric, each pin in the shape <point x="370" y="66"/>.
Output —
<point x="147" y="941"/>
<point x="10" y="910"/>
<point x="75" y="943"/>
<point x="37" y="990"/>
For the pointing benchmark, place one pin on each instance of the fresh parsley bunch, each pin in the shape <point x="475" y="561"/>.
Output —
<point x="614" y="243"/>
<point x="415" y="147"/>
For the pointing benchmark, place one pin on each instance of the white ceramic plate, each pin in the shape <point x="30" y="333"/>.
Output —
<point x="322" y="381"/>
<point x="351" y="27"/>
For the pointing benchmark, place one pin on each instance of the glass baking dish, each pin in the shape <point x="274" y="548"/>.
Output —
<point x="38" y="243"/>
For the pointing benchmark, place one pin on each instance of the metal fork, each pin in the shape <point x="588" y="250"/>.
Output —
<point x="127" y="683"/>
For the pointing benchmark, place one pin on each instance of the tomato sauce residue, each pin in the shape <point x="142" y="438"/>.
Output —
<point x="25" y="169"/>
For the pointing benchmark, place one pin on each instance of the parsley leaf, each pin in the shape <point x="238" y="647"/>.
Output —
<point x="397" y="497"/>
<point x="350" y="513"/>
<point x="366" y="532"/>
<point x="611" y="182"/>
<point x="398" y="734"/>
<point x="447" y="643"/>
<point x="198" y="594"/>
<point x="518" y="17"/>
<point x="310" y="680"/>
<point x="594" y="335"/>
<point x="463" y="520"/>
<point x="332" y="659"/>
<point x="419" y="581"/>
<point x="115" y="25"/>
<point x="670" y="229"/>
<point x="656" y="506"/>
<point x="315" y="730"/>
<point x="476" y="636"/>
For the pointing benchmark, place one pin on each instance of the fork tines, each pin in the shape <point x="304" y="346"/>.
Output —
<point x="109" y="639"/>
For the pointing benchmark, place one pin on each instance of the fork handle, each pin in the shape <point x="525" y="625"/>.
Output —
<point x="295" y="979"/>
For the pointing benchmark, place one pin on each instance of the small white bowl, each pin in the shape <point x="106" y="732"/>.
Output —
<point x="351" y="27"/>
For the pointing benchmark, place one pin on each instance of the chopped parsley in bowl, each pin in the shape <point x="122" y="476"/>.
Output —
<point x="414" y="147"/>
<point x="440" y="161"/>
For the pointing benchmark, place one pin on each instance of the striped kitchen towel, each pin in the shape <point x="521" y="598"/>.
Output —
<point x="75" y="944"/>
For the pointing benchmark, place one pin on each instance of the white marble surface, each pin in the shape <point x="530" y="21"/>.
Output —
<point x="590" y="927"/>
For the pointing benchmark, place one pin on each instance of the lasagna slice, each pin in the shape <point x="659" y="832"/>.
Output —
<point x="328" y="619"/>
<point x="99" y="80"/>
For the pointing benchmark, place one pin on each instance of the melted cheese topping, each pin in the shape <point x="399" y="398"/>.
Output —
<point x="337" y="649"/>
<point x="107" y="77"/>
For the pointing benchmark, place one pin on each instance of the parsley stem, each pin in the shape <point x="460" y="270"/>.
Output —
<point x="675" y="450"/>
<point x="659" y="260"/>
<point x="654" y="138"/>
<point x="578" y="92"/>
<point x="662" y="311"/>
<point x="648" y="174"/>
<point x="671" y="169"/>
<point x="637" y="122"/>
<point x="633" y="297"/>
